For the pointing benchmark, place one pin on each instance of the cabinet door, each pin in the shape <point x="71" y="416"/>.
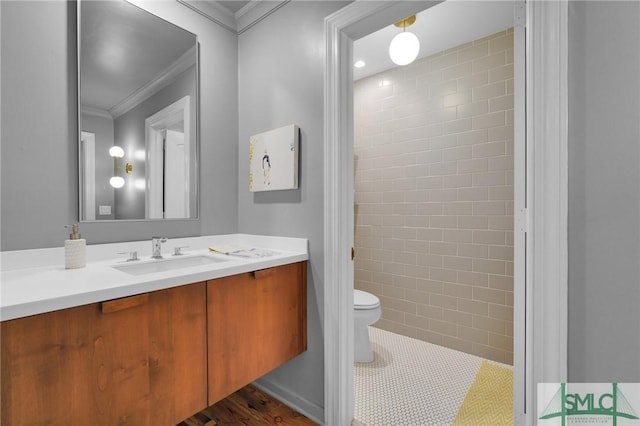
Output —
<point x="256" y="322"/>
<point x="178" y="353"/>
<point x="139" y="360"/>
<point x="77" y="366"/>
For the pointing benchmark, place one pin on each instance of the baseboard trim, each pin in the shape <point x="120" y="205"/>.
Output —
<point x="301" y="405"/>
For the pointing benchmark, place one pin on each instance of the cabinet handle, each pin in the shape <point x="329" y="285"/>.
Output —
<point x="262" y="273"/>
<point x="125" y="303"/>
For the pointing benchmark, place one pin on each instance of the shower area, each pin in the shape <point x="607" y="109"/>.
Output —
<point x="433" y="151"/>
<point x="434" y="191"/>
<point x="434" y="240"/>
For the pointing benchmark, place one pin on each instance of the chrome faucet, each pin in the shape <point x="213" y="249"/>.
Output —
<point x="156" y="248"/>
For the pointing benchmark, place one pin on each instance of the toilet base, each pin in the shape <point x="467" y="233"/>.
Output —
<point x="362" y="345"/>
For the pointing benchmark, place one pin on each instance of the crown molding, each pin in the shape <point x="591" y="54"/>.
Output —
<point x="96" y="112"/>
<point x="162" y="80"/>
<point x="245" y="18"/>
<point x="214" y="5"/>
<point x="256" y="13"/>
<point x="246" y="9"/>
<point x="213" y="12"/>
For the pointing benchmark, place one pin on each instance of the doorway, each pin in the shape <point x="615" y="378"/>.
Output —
<point x="168" y="164"/>
<point x="433" y="143"/>
<point x="536" y="359"/>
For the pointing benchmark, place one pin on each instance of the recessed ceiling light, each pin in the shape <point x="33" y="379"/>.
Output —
<point x="359" y="64"/>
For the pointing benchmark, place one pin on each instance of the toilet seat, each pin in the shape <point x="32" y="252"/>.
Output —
<point x="364" y="300"/>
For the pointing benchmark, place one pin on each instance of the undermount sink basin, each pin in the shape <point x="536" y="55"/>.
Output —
<point x="167" y="264"/>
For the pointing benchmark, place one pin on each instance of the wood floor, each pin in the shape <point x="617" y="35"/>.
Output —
<point x="248" y="407"/>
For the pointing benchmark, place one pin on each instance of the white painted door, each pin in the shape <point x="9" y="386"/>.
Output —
<point x="174" y="176"/>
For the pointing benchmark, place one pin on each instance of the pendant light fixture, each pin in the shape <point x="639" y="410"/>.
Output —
<point x="404" y="47"/>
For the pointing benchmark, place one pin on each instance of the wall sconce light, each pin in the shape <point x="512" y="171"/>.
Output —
<point x="118" y="181"/>
<point x="404" y="47"/>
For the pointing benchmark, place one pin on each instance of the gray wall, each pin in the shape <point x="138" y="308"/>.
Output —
<point x="281" y="75"/>
<point x="38" y="134"/>
<point x="39" y="129"/>
<point x="604" y="191"/>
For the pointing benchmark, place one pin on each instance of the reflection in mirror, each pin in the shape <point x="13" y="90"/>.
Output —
<point x="138" y="89"/>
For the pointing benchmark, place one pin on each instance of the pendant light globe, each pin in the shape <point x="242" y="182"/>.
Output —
<point x="404" y="48"/>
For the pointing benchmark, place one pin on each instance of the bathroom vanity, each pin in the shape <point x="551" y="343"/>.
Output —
<point x="148" y="357"/>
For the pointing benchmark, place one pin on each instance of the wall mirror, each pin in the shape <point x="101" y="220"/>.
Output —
<point x="138" y="112"/>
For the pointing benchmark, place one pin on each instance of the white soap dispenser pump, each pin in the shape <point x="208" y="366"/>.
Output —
<point x="74" y="249"/>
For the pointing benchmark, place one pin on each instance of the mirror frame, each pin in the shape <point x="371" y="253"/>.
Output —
<point x="195" y="136"/>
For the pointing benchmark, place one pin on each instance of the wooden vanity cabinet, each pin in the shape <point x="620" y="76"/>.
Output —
<point x="151" y="359"/>
<point x="139" y="360"/>
<point x="256" y="322"/>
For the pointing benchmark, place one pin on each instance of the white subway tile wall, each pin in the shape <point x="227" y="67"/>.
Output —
<point x="434" y="196"/>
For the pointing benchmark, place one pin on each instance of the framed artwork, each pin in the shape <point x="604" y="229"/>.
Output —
<point x="273" y="159"/>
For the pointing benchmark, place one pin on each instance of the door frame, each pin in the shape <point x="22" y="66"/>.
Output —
<point x="542" y="356"/>
<point x="154" y="146"/>
<point x="87" y="153"/>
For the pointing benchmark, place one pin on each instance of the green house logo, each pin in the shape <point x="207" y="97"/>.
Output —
<point x="600" y="407"/>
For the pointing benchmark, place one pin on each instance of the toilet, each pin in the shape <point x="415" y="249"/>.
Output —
<point x="366" y="311"/>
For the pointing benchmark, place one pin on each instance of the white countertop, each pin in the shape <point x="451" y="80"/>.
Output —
<point x="36" y="281"/>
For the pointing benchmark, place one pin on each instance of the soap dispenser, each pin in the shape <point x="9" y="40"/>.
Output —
<point x="74" y="249"/>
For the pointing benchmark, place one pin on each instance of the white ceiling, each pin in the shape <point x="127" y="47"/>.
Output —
<point x="233" y="6"/>
<point x="445" y="25"/>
